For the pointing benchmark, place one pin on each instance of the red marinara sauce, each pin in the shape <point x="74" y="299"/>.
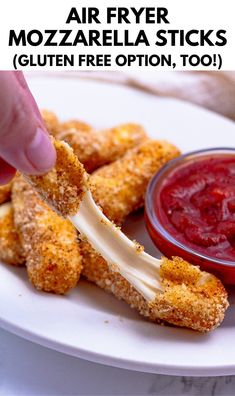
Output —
<point x="190" y="209"/>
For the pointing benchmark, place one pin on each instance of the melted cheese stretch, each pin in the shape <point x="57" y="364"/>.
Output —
<point x="115" y="37"/>
<point x="124" y="256"/>
<point x="171" y="290"/>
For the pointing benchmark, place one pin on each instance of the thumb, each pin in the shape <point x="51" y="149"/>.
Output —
<point x="24" y="142"/>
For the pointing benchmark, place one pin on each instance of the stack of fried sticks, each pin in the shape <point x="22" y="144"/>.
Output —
<point x="121" y="161"/>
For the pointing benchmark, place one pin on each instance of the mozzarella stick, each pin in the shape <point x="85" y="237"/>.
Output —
<point x="186" y="301"/>
<point x="131" y="131"/>
<point x="102" y="147"/>
<point x="5" y="192"/>
<point x="50" y="244"/>
<point x="170" y="290"/>
<point x="64" y="186"/>
<point x="75" y="126"/>
<point x="11" y="251"/>
<point x="119" y="188"/>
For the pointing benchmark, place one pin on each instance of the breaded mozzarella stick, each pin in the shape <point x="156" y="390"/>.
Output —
<point x="119" y="188"/>
<point x="11" y="251"/>
<point x="173" y="290"/>
<point x="5" y="192"/>
<point x="51" y="122"/>
<point x="102" y="147"/>
<point x="76" y="126"/>
<point x="192" y="298"/>
<point x="50" y="243"/>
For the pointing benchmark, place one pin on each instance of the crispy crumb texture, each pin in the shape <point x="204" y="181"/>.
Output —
<point x="119" y="188"/>
<point x="102" y="147"/>
<point x="63" y="187"/>
<point x="129" y="177"/>
<point x="51" y="122"/>
<point x="11" y="251"/>
<point x="75" y="126"/>
<point x="190" y="297"/>
<point x="5" y="193"/>
<point x="54" y="126"/>
<point x="50" y="243"/>
<point x="185" y="301"/>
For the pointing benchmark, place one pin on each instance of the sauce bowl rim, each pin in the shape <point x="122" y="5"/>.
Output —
<point x="149" y="205"/>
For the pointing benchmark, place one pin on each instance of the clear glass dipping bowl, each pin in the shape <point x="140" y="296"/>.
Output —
<point x="165" y="242"/>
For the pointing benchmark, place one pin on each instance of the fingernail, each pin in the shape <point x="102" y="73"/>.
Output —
<point x="40" y="152"/>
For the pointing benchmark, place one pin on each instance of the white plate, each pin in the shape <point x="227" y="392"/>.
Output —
<point x="89" y="323"/>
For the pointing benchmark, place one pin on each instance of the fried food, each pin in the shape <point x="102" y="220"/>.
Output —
<point x="94" y="148"/>
<point x="185" y="302"/>
<point x="131" y="128"/>
<point x="102" y="147"/>
<point x="192" y="298"/>
<point x="186" y="297"/>
<point x="51" y="122"/>
<point x="74" y="126"/>
<point x="11" y="251"/>
<point x="38" y="279"/>
<point x="119" y="188"/>
<point x="64" y="186"/>
<point x="54" y="126"/>
<point x="50" y="243"/>
<point x="5" y="192"/>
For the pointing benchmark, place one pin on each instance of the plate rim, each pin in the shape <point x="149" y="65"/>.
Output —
<point x="124" y="363"/>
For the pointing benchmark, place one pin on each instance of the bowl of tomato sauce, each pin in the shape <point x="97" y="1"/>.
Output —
<point x="190" y="210"/>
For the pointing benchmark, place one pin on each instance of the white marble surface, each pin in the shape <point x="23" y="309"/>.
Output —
<point x="28" y="369"/>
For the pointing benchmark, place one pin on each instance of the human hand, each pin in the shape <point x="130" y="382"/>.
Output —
<point x="24" y="141"/>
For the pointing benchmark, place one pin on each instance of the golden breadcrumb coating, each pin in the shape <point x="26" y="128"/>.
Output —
<point x="5" y="192"/>
<point x="119" y="188"/>
<point x="190" y="297"/>
<point x="136" y="170"/>
<point x="102" y="147"/>
<point x="51" y="122"/>
<point x="126" y="179"/>
<point x="62" y="187"/>
<point x="185" y="302"/>
<point x="74" y="125"/>
<point x="11" y="251"/>
<point x="50" y="243"/>
<point x="54" y="126"/>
